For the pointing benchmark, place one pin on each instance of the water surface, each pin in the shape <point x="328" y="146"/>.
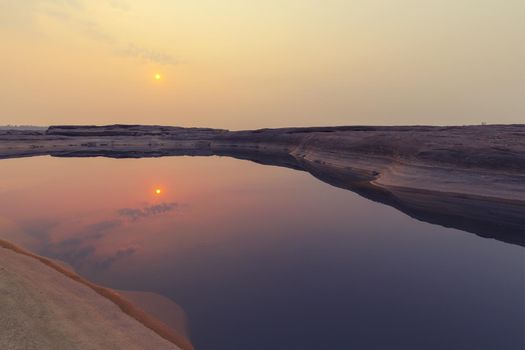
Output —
<point x="264" y="257"/>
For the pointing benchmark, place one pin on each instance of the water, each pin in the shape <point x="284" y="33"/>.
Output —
<point x="264" y="257"/>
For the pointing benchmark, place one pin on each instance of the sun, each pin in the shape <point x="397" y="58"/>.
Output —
<point x="158" y="191"/>
<point x="157" y="76"/>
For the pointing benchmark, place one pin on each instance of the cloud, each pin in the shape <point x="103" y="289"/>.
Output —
<point x="78" y="256"/>
<point x="39" y="229"/>
<point x="76" y="20"/>
<point x="119" y="255"/>
<point x="159" y="57"/>
<point x="74" y="250"/>
<point x="91" y="233"/>
<point x="75" y="255"/>
<point x="74" y="14"/>
<point x="119" y="5"/>
<point x="99" y="229"/>
<point x="134" y="214"/>
<point x="70" y="242"/>
<point x="80" y="248"/>
<point x="83" y="17"/>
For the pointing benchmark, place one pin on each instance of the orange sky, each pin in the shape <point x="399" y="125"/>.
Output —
<point x="238" y="64"/>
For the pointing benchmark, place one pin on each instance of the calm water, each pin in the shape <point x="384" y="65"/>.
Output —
<point x="267" y="258"/>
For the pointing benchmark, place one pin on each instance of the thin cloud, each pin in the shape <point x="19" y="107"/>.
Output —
<point x="84" y="26"/>
<point x="119" y="5"/>
<point x="145" y="54"/>
<point x="106" y="263"/>
<point x="134" y="214"/>
<point x="75" y="254"/>
<point x="99" y="229"/>
<point x="40" y="229"/>
<point x="79" y="16"/>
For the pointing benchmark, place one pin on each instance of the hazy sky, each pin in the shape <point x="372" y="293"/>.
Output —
<point x="262" y="63"/>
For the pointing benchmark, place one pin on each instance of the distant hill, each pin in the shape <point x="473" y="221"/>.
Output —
<point x="22" y="127"/>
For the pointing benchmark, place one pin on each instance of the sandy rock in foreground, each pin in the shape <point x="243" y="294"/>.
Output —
<point x="40" y="308"/>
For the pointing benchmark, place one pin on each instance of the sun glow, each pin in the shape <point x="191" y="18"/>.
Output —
<point x="158" y="191"/>
<point x="157" y="76"/>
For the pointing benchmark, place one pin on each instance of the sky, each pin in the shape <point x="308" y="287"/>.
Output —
<point x="240" y="64"/>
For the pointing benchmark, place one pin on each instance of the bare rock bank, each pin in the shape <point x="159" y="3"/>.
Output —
<point x="466" y="177"/>
<point x="43" y="306"/>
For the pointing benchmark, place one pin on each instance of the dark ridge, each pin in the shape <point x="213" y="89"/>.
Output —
<point x="127" y="130"/>
<point x="326" y="129"/>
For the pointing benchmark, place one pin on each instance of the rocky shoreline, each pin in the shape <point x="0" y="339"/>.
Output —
<point x="470" y="178"/>
<point x="467" y="177"/>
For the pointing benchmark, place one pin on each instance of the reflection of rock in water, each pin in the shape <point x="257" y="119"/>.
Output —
<point x="471" y="178"/>
<point x="162" y="308"/>
<point x="490" y="217"/>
